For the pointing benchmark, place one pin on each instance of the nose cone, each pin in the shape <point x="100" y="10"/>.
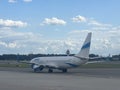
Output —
<point x="35" y="60"/>
<point x="32" y="61"/>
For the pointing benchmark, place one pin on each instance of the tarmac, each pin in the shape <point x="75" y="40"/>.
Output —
<point x="75" y="79"/>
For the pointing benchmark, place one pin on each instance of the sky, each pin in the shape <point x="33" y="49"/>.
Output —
<point x="53" y="26"/>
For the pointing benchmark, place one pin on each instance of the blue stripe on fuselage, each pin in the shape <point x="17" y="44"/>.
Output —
<point x="73" y="65"/>
<point x="86" y="45"/>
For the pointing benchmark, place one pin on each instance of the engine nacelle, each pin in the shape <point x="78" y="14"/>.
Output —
<point x="37" y="68"/>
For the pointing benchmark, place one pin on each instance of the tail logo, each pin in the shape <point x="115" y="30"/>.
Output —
<point x="87" y="45"/>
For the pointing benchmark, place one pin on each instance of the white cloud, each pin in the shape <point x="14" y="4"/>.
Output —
<point x="93" y="22"/>
<point x="25" y="42"/>
<point x="58" y="46"/>
<point x="27" y="0"/>
<point x="3" y="44"/>
<point x="8" y="45"/>
<point x="11" y="40"/>
<point x="12" y="45"/>
<point x="90" y="22"/>
<point x="96" y="23"/>
<point x="53" y="21"/>
<point x="79" y="19"/>
<point x="105" y="40"/>
<point x="12" y="1"/>
<point x="11" y="23"/>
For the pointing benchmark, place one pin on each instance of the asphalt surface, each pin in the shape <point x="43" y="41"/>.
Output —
<point x="75" y="79"/>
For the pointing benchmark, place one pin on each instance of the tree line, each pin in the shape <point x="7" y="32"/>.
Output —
<point x="26" y="57"/>
<point x="20" y="57"/>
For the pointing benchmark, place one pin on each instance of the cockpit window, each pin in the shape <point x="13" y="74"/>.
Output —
<point x="36" y="60"/>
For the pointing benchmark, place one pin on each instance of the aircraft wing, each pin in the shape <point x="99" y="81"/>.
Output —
<point x="27" y="62"/>
<point x="94" y="62"/>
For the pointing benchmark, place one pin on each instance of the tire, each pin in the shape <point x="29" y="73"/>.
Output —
<point x="64" y="70"/>
<point x="50" y="70"/>
<point x="36" y="70"/>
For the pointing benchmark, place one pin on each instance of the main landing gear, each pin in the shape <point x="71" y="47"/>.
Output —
<point x="50" y="70"/>
<point x="64" y="70"/>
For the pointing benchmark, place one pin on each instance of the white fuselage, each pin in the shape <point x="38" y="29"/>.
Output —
<point x="59" y="61"/>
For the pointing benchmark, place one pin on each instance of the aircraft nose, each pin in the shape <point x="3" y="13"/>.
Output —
<point x="32" y="61"/>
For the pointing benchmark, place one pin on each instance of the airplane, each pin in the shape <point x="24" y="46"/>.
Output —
<point x="63" y="63"/>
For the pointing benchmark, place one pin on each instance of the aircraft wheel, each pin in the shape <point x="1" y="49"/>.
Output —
<point x="36" y="70"/>
<point x="64" y="70"/>
<point x="50" y="70"/>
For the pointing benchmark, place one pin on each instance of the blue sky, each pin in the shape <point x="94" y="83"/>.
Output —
<point x="53" y="26"/>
